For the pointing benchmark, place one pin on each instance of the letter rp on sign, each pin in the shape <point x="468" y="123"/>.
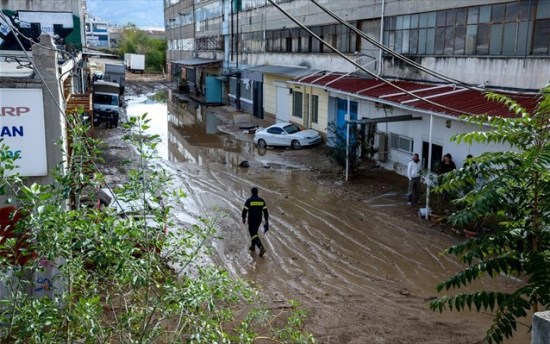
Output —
<point x="22" y="129"/>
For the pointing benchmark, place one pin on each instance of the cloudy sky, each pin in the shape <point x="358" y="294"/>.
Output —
<point x="143" y="13"/>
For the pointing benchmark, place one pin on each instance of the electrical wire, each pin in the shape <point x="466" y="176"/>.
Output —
<point x="394" y="53"/>
<point x="62" y="111"/>
<point x="387" y="82"/>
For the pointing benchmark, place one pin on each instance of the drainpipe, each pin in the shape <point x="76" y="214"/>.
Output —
<point x="429" y="169"/>
<point x="348" y="117"/>
<point x="527" y="35"/>
<point x="232" y="36"/>
<point x="381" y="35"/>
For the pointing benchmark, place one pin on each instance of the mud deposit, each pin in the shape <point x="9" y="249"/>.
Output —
<point x="354" y="254"/>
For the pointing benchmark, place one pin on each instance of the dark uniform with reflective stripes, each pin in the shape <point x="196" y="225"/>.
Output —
<point x="255" y="207"/>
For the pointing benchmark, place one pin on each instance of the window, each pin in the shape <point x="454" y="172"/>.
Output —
<point x="401" y="143"/>
<point x="275" y="130"/>
<point x="297" y="104"/>
<point x="315" y="109"/>
<point x="514" y="28"/>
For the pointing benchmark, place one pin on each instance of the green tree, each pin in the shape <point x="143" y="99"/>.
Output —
<point x="121" y="278"/>
<point x="513" y="187"/>
<point x="136" y="41"/>
<point x="341" y="151"/>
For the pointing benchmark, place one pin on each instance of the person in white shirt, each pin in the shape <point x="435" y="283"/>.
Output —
<point x="413" y="172"/>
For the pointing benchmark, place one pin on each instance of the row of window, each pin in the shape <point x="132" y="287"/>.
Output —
<point x="512" y="29"/>
<point x="300" y="41"/>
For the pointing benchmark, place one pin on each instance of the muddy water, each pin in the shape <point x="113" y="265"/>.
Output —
<point x="363" y="274"/>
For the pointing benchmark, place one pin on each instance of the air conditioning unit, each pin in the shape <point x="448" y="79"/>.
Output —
<point x="382" y="143"/>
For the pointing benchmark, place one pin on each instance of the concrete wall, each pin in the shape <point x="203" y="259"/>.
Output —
<point x="270" y="92"/>
<point x="516" y="73"/>
<point x="419" y="132"/>
<point x="541" y="328"/>
<point x="45" y="61"/>
<point x="73" y="6"/>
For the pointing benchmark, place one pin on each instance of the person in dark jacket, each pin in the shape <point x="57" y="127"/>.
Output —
<point x="255" y="207"/>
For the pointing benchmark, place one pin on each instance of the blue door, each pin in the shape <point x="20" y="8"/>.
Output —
<point x="341" y="113"/>
<point x="213" y="90"/>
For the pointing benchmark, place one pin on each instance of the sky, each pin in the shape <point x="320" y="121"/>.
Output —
<point x="143" y="13"/>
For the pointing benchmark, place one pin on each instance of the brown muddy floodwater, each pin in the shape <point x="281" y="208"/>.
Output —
<point x="357" y="258"/>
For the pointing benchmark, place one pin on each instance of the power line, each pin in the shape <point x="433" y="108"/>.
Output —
<point x="297" y="22"/>
<point x="69" y="123"/>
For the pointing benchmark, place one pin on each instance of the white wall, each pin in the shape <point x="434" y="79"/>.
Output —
<point x="419" y="131"/>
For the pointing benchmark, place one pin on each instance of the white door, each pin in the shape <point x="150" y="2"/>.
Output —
<point x="283" y="104"/>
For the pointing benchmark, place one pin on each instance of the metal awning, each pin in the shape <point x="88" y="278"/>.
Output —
<point x="91" y="52"/>
<point x="288" y="71"/>
<point x="440" y="99"/>
<point x="198" y="61"/>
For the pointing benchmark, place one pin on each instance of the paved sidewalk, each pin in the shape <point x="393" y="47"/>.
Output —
<point x="237" y="123"/>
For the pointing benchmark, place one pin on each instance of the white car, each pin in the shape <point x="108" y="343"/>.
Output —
<point x="286" y="134"/>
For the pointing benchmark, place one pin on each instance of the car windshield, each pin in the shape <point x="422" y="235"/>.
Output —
<point x="292" y="128"/>
<point x="105" y="99"/>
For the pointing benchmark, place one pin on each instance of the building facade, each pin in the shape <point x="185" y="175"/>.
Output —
<point x="41" y="69"/>
<point x="97" y="33"/>
<point x="251" y="45"/>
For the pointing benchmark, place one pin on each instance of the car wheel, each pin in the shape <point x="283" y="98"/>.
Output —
<point x="262" y="143"/>
<point x="296" y="144"/>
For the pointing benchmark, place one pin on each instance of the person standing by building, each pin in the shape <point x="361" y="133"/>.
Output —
<point x="447" y="165"/>
<point x="413" y="172"/>
<point x="253" y="209"/>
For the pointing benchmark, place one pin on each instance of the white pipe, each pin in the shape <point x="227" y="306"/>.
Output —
<point x="381" y="35"/>
<point x="429" y="169"/>
<point x="348" y="118"/>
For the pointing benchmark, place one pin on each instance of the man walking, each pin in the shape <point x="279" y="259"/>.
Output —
<point x="255" y="206"/>
<point x="413" y="172"/>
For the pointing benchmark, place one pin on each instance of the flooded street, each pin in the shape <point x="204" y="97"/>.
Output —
<point x="354" y="255"/>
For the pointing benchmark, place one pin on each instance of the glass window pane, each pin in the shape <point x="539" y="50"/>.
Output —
<point x="422" y="41"/>
<point x="297" y="108"/>
<point x="509" y="39"/>
<point x="406" y="22"/>
<point x="461" y="15"/>
<point x="460" y="33"/>
<point x="391" y="23"/>
<point x="543" y="9"/>
<point x="485" y="14"/>
<point x="497" y="15"/>
<point x="512" y="11"/>
<point x="473" y="15"/>
<point x="413" y="42"/>
<point x="423" y="20"/>
<point x="440" y="18"/>
<point x="524" y="38"/>
<point x="432" y="19"/>
<point x="496" y="39"/>
<point x="526" y="11"/>
<point x="430" y="41"/>
<point x="449" y="40"/>
<point x="471" y="33"/>
<point x="439" y="40"/>
<point x="405" y="46"/>
<point x="414" y="21"/>
<point x="399" y="23"/>
<point x="541" y="40"/>
<point x="451" y="17"/>
<point x="482" y="43"/>
<point x="399" y="41"/>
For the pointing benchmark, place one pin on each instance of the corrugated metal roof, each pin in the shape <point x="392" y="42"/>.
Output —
<point x="449" y="99"/>
<point x="289" y="71"/>
<point x="197" y="61"/>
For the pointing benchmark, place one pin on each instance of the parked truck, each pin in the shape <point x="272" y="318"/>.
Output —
<point x="107" y="103"/>
<point x="135" y="63"/>
<point x="115" y="73"/>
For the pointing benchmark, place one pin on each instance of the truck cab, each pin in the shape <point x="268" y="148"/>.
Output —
<point x="106" y="103"/>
